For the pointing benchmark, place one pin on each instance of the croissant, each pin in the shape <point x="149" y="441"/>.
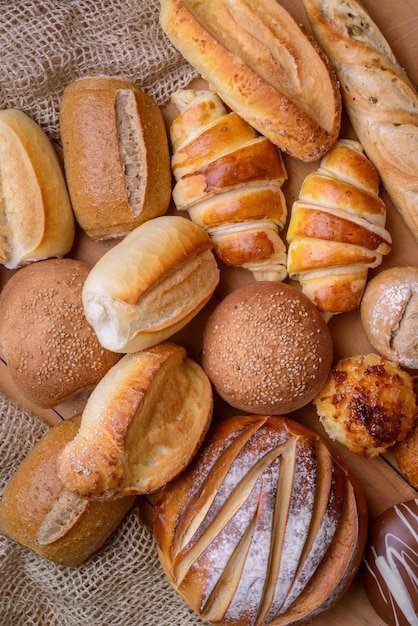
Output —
<point x="337" y="229"/>
<point x="229" y="180"/>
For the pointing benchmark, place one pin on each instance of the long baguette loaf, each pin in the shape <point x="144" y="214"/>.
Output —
<point x="264" y="66"/>
<point x="380" y="100"/>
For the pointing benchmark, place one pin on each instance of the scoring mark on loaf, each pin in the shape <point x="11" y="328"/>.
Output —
<point x="63" y="514"/>
<point x="130" y="137"/>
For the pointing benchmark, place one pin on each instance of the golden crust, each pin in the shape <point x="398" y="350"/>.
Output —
<point x="368" y="404"/>
<point x="406" y="455"/>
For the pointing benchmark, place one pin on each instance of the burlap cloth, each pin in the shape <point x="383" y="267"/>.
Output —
<point x="122" y="584"/>
<point x="44" y="45"/>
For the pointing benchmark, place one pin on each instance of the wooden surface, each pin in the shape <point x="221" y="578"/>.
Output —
<point x="380" y="478"/>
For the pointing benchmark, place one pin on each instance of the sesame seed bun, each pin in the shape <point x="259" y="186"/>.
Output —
<point x="267" y="349"/>
<point x="51" y="350"/>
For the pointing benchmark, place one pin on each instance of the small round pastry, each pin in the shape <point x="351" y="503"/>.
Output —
<point x="391" y="564"/>
<point x="389" y="314"/>
<point x="406" y="455"/>
<point x="265" y="526"/>
<point x="368" y="404"/>
<point x="267" y="349"/>
<point x="51" y="350"/>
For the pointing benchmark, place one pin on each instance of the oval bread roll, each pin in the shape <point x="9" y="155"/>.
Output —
<point x="38" y="512"/>
<point x="141" y="426"/>
<point x="36" y="217"/>
<point x="116" y="156"/>
<point x="151" y="284"/>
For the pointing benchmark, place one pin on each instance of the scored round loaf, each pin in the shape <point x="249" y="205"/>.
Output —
<point x="51" y="350"/>
<point x="265" y="526"/>
<point x="389" y="314"/>
<point x="267" y="349"/>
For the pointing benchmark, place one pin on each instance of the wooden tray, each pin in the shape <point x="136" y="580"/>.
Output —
<point x="382" y="482"/>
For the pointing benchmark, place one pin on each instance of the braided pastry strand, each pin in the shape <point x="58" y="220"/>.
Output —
<point x="337" y="229"/>
<point x="229" y="180"/>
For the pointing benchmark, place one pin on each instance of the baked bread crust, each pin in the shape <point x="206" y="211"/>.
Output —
<point x="266" y="348"/>
<point x="141" y="426"/>
<point x="265" y="526"/>
<point x="264" y="66"/>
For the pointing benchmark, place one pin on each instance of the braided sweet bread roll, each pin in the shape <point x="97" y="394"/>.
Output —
<point x="266" y="526"/>
<point x="337" y="229"/>
<point x="229" y="180"/>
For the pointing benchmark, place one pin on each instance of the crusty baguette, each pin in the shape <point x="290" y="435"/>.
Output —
<point x="265" y="526"/>
<point x="380" y="100"/>
<point x="37" y="511"/>
<point x="36" y="217"/>
<point x="264" y="66"/>
<point x="141" y="426"/>
<point x="116" y="155"/>
<point x="151" y="284"/>
<point x="229" y="180"/>
<point x="337" y="229"/>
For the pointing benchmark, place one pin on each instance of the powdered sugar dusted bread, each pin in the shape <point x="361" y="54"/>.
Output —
<point x="266" y="348"/>
<point x="389" y="314"/>
<point x="368" y="404"/>
<point x="266" y="526"/>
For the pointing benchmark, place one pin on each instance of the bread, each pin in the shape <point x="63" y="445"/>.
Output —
<point x="380" y="100"/>
<point x="38" y="512"/>
<point x="391" y="564"/>
<point x="141" y="426"/>
<point x="229" y="180"/>
<point x="406" y="455"/>
<point x="151" y="284"/>
<point x="51" y="350"/>
<point x="367" y="404"/>
<point x="116" y="156"/>
<point x="266" y="526"/>
<point x="37" y="220"/>
<point x="264" y="66"/>
<point x="389" y="314"/>
<point x="337" y="229"/>
<point x="266" y="348"/>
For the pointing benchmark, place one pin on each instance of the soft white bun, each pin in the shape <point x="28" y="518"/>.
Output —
<point x="36" y="217"/>
<point x="151" y="284"/>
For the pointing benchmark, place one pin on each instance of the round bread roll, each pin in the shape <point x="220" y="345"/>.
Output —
<point x="267" y="349"/>
<point x="391" y="564"/>
<point x="368" y="404"/>
<point x="37" y="511"/>
<point x="51" y="350"/>
<point x="389" y="314"/>
<point x="406" y="455"/>
<point x="265" y="526"/>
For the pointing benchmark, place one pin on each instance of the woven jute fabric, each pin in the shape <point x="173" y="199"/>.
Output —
<point x="46" y="44"/>
<point x="122" y="584"/>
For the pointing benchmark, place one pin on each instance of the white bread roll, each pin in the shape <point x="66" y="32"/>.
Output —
<point x="37" y="511"/>
<point x="116" y="156"/>
<point x="264" y="66"/>
<point x="380" y="100"/>
<point x="36" y="217"/>
<point x="265" y="526"/>
<point x="141" y="426"/>
<point x="151" y="284"/>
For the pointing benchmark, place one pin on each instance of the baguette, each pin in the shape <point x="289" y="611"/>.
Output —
<point x="337" y="229"/>
<point x="141" y="425"/>
<point x="38" y="512"/>
<point x="151" y="284"/>
<point x="264" y="66"/>
<point x="36" y="217"/>
<point x="116" y="156"/>
<point x="229" y="180"/>
<point x="380" y="100"/>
